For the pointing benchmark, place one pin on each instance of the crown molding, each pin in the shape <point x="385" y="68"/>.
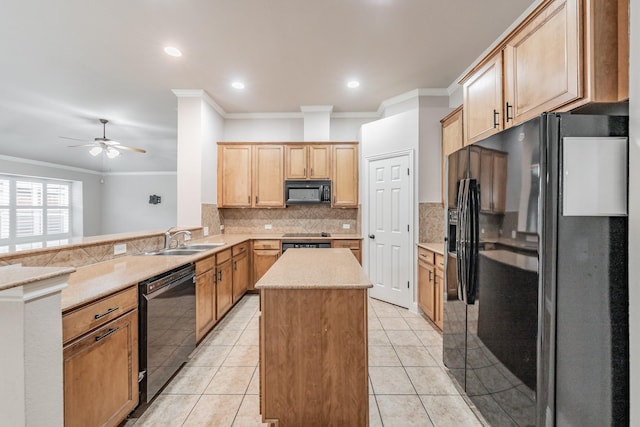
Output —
<point x="48" y="164"/>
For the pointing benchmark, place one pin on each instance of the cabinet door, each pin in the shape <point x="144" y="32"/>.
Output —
<point x="205" y="303"/>
<point x="263" y="259"/>
<point x="483" y="101"/>
<point x="542" y="63"/>
<point x="345" y="176"/>
<point x="295" y="161"/>
<point x="426" y="289"/>
<point x="268" y="178"/>
<point x="224" y="288"/>
<point x="319" y="162"/>
<point x="452" y="141"/>
<point x="101" y="374"/>
<point x="234" y="176"/>
<point x="240" y="275"/>
<point x="438" y="297"/>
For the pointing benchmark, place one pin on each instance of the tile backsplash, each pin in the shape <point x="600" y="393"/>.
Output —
<point x="431" y="222"/>
<point x="293" y="219"/>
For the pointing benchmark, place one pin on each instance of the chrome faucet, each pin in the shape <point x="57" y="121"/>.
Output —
<point x="170" y="238"/>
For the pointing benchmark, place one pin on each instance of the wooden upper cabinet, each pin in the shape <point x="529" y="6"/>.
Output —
<point x="319" y="161"/>
<point x="345" y="176"/>
<point x="452" y="141"/>
<point x="268" y="184"/>
<point x="234" y="176"/>
<point x="542" y="67"/>
<point x="482" y="93"/>
<point x="295" y="161"/>
<point x="565" y="54"/>
<point x="308" y="161"/>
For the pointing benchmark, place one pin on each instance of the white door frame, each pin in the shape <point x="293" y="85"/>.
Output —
<point x="412" y="235"/>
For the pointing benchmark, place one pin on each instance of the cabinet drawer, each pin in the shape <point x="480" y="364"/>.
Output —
<point x="439" y="262"/>
<point x="425" y="255"/>
<point x="82" y="320"/>
<point x="349" y="244"/>
<point x="205" y="265"/>
<point x="266" y="244"/>
<point x="223" y="256"/>
<point x="240" y="248"/>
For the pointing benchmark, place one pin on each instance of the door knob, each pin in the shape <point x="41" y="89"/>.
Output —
<point x="372" y="236"/>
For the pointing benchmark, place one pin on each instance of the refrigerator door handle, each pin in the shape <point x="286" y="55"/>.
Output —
<point x="474" y="241"/>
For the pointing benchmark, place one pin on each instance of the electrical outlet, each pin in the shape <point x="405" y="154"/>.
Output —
<point x="513" y="234"/>
<point x="120" y="249"/>
<point x="267" y="226"/>
<point x="221" y="227"/>
<point x="205" y="231"/>
<point x="346" y="226"/>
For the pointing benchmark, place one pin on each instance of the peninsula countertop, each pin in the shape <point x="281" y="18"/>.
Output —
<point x="315" y="269"/>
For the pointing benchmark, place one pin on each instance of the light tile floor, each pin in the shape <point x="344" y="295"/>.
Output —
<point x="408" y="385"/>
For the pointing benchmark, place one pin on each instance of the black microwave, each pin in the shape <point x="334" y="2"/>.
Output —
<point x="307" y="192"/>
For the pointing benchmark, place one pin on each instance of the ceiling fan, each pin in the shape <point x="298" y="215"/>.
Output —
<point x="103" y="144"/>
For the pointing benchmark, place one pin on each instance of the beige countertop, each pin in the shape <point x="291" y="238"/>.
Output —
<point x="94" y="281"/>
<point x="315" y="269"/>
<point x="523" y="262"/>
<point x="16" y="275"/>
<point x="433" y="246"/>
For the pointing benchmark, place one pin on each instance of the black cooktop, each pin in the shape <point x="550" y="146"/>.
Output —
<point x="323" y="234"/>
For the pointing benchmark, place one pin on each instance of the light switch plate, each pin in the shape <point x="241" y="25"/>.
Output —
<point x="267" y="226"/>
<point x="205" y="231"/>
<point x="120" y="249"/>
<point x="346" y="226"/>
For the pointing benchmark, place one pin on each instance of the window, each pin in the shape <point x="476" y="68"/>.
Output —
<point x="33" y="210"/>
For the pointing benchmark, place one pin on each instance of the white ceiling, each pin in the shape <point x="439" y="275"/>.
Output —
<point x="67" y="63"/>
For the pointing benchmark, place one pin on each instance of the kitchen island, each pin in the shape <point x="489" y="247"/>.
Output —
<point x="313" y="340"/>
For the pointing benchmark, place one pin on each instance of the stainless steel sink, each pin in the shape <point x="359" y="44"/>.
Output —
<point x="177" y="251"/>
<point x="204" y="246"/>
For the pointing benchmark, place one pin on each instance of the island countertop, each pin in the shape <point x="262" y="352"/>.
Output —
<point x="315" y="269"/>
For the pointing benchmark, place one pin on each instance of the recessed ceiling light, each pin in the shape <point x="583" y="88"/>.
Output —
<point x="172" y="51"/>
<point x="237" y="85"/>
<point x="353" y="84"/>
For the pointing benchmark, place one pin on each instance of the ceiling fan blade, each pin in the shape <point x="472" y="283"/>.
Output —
<point x="73" y="139"/>
<point x="123" y="147"/>
<point x="83" y="145"/>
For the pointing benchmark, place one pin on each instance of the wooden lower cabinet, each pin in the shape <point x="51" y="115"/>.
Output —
<point x="224" y="286"/>
<point x="430" y="285"/>
<point x="265" y="254"/>
<point x="313" y="357"/>
<point x="353" y="244"/>
<point x="101" y="374"/>
<point x="240" y="272"/>
<point x="205" y="296"/>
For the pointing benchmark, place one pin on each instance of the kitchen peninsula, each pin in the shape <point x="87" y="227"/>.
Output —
<point x="313" y="339"/>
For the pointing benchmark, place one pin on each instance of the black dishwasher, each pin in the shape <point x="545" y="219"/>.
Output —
<point x="167" y="308"/>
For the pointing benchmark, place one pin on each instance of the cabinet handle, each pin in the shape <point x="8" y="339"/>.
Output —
<point x="256" y="200"/>
<point x="311" y="171"/>
<point x="249" y="199"/>
<point x="110" y="310"/>
<point x="220" y="276"/>
<point x="106" y="334"/>
<point x="430" y="272"/>
<point x="507" y="116"/>
<point x="235" y="266"/>
<point x="304" y="171"/>
<point x="495" y="118"/>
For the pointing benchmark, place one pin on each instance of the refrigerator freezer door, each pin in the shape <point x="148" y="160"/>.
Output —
<point x="594" y="176"/>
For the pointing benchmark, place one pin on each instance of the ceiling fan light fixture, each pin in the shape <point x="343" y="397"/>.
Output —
<point x="95" y="151"/>
<point x="112" y="153"/>
<point x="173" y="51"/>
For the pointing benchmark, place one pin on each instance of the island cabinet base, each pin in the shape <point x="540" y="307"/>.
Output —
<point x="313" y="357"/>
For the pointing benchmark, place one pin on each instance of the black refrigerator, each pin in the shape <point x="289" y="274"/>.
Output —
<point x="536" y="296"/>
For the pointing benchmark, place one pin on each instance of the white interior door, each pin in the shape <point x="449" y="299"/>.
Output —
<point x="389" y="232"/>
